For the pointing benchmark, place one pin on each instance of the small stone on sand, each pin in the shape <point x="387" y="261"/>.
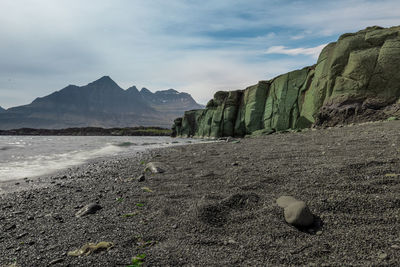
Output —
<point x="155" y="167"/>
<point x="88" y="209"/>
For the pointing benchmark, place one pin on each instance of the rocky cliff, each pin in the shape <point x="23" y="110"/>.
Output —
<point x="355" y="79"/>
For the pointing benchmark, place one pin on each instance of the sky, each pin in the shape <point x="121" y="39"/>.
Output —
<point x="198" y="47"/>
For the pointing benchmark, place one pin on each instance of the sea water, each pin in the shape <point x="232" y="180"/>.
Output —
<point x="30" y="156"/>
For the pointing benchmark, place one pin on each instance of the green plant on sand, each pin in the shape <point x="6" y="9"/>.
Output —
<point x="137" y="260"/>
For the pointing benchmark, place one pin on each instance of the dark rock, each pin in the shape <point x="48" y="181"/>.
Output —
<point x="88" y="209"/>
<point x="21" y="235"/>
<point x="141" y="178"/>
<point x="58" y="218"/>
<point x="10" y="227"/>
<point x="59" y="260"/>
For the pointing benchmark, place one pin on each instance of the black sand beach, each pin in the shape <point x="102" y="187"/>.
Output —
<point x="215" y="205"/>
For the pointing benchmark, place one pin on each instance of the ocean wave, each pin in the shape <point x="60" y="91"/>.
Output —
<point x="4" y="148"/>
<point x="43" y="164"/>
<point x="125" y="144"/>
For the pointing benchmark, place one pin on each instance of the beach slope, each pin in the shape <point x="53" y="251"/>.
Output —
<point x="215" y="205"/>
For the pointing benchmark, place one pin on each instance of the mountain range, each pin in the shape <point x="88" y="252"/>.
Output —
<point x="101" y="103"/>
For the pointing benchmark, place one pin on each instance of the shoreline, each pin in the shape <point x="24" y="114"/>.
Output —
<point x="38" y="181"/>
<point x="90" y="131"/>
<point x="348" y="176"/>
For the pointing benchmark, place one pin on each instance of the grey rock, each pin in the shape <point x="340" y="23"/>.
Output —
<point x="11" y="227"/>
<point x="298" y="214"/>
<point x="285" y="201"/>
<point x="88" y="209"/>
<point x="21" y="235"/>
<point x="59" y="260"/>
<point x="155" y="167"/>
<point x="382" y="255"/>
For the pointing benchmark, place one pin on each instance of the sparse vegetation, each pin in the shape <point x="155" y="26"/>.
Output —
<point x="146" y="189"/>
<point x="137" y="260"/>
<point x="127" y="215"/>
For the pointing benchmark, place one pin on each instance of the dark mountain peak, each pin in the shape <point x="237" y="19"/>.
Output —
<point x="2" y="109"/>
<point x="132" y="88"/>
<point x="133" y="91"/>
<point x="145" y="91"/>
<point x="169" y="91"/>
<point x="104" y="82"/>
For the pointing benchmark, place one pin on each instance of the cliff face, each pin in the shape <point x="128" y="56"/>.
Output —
<point x="355" y="79"/>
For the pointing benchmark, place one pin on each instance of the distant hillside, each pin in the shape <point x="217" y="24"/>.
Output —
<point x="101" y="103"/>
<point x="2" y="110"/>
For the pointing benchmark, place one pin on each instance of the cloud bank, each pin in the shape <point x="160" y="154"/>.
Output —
<point x="280" y="49"/>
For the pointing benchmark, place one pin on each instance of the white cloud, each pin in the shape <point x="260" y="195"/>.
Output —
<point x="187" y="45"/>
<point x="312" y="51"/>
<point x="298" y="37"/>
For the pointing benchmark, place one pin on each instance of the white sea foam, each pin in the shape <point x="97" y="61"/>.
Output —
<point x="29" y="156"/>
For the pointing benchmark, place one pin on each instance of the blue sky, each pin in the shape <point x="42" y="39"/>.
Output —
<point x="198" y="47"/>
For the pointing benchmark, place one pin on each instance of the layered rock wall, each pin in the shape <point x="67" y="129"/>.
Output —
<point x="355" y="79"/>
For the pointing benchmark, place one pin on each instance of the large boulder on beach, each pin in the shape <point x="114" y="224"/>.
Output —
<point x="285" y="201"/>
<point x="298" y="214"/>
<point x="295" y="211"/>
<point x="355" y="79"/>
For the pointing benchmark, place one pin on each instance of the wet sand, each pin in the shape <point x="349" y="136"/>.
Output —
<point x="215" y="205"/>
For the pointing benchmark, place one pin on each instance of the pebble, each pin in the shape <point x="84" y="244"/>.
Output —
<point x="88" y="209"/>
<point x="155" y="167"/>
<point x="141" y="178"/>
<point x="382" y="255"/>
<point x="56" y="261"/>
<point x="11" y="227"/>
<point x="21" y="235"/>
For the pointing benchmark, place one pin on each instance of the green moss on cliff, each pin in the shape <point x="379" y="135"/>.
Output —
<point x="356" y="76"/>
